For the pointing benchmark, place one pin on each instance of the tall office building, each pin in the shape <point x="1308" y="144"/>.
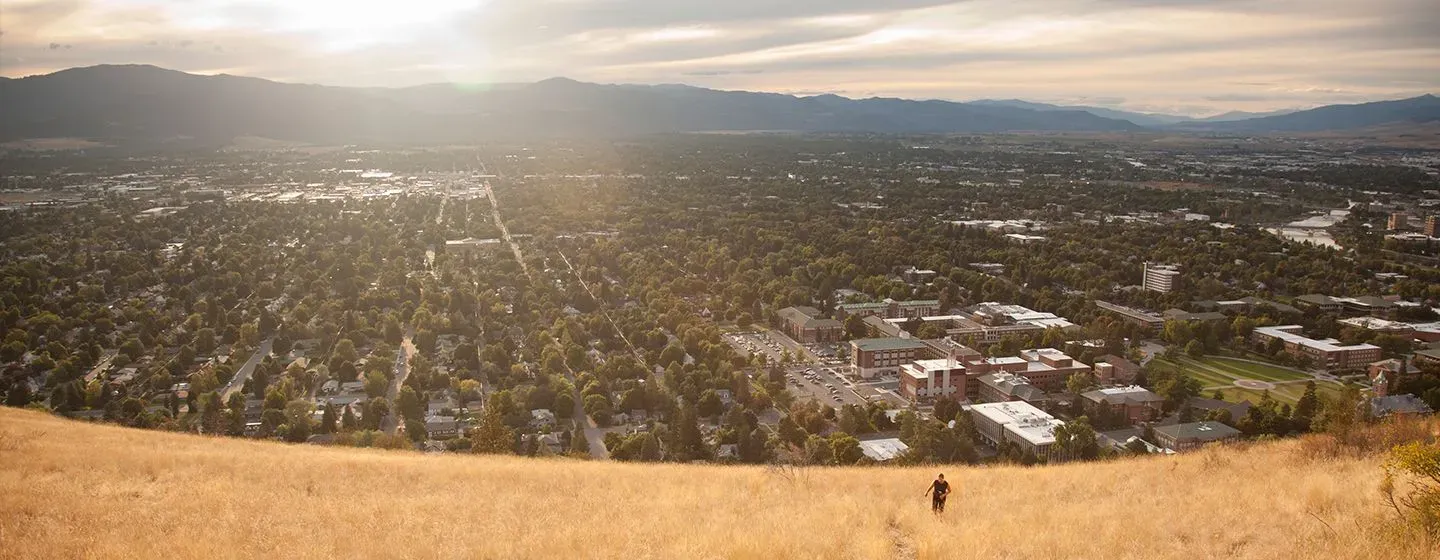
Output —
<point x="1161" y="277"/>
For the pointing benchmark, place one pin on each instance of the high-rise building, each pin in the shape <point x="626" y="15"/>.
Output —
<point x="1398" y="220"/>
<point x="1432" y="226"/>
<point x="1161" y="277"/>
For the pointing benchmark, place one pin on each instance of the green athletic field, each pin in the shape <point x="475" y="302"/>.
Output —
<point x="1282" y="393"/>
<point x="1214" y="371"/>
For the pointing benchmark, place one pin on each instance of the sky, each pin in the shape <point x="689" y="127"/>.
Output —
<point x="1191" y="57"/>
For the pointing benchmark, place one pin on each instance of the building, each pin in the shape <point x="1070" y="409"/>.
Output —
<point x="1024" y="239"/>
<point x="1428" y="357"/>
<point x="1379" y="325"/>
<point x="923" y="380"/>
<point x="1318" y="302"/>
<point x="1385" y="375"/>
<point x="876" y="326"/>
<point x="1370" y="305"/>
<point x="1398" y="221"/>
<point x="1115" y="369"/>
<point x="988" y="323"/>
<point x="1005" y="386"/>
<point x="1328" y="354"/>
<point x="1160" y="277"/>
<point x="881" y="450"/>
<point x="918" y="276"/>
<point x="1017" y="423"/>
<point x="438" y="427"/>
<point x="1189" y="317"/>
<point x="470" y="244"/>
<point x="879" y="356"/>
<point x="1150" y="321"/>
<point x="890" y="309"/>
<point x="1249" y="303"/>
<point x="807" y="326"/>
<point x="1134" y="403"/>
<point x="1398" y="405"/>
<point x="1184" y="437"/>
<point x="1048" y="368"/>
<point x="1432" y="226"/>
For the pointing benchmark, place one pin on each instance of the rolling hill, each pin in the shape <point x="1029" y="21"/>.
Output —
<point x="77" y="490"/>
<point x="1415" y="110"/>
<point x="146" y="103"/>
<point x="1142" y="119"/>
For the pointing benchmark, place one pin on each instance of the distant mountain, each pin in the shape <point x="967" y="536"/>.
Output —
<point x="1142" y="119"/>
<point x="1242" y="115"/>
<point x="146" y="103"/>
<point x="1423" y="109"/>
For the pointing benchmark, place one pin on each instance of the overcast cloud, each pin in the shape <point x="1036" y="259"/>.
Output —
<point x="1186" y="56"/>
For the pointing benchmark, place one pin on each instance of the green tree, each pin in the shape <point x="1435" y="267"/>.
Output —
<point x="348" y="423"/>
<point x="1194" y="349"/>
<point x="416" y="430"/>
<point x="845" y="448"/>
<point x="491" y="435"/>
<point x="818" y="451"/>
<point x="791" y="433"/>
<point x="1077" y="440"/>
<point x="564" y="406"/>
<point x="376" y="384"/>
<point x="409" y="404"/>
<point x="298" y="420"/>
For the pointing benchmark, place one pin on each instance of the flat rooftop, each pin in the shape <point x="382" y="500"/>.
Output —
<point x="1022" y="418"/>
<point x="1288" y="334"/>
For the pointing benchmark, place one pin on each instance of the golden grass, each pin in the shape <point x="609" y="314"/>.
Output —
<point x="75" y="490"/>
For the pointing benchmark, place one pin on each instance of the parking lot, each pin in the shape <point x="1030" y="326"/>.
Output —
<point x="824" y="384"/>
<point x="766" y="343"/>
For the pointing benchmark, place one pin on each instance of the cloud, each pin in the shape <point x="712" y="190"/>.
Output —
<point x="1190" y="55"/>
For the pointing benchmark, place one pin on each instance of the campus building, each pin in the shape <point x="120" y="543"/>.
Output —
<point x="988" y="323"/>
<point x="930" y="379"/>
<point x="890" y="309"/>
<point x="1018" y="423"/>
<point x="1328" y="353"/>
<point x="1134" y="403"/>
<point x="1005" y="386"/>
<point x="807" y="326"/>
<point x="1184" y="437"/>
<point x="879" y="356"/>
<point x="1044" y="370"/>
<point x="1161" y="277"/>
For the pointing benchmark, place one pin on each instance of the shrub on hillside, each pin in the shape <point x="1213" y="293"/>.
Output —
<point x="1412" y="486"/>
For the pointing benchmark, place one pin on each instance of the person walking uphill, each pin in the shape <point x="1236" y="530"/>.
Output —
<point x="938" y="491"/>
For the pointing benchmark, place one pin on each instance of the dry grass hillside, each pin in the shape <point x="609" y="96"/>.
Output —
<point x="74" y="490"/>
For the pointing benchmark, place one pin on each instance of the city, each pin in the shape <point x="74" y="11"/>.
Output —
<point x="841" y="300"/>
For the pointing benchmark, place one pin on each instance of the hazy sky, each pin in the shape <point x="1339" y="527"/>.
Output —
<point x="1186" y="56"/>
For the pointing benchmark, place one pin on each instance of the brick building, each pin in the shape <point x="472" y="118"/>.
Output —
<point x="879" y="356"/>
<point x="1328" y="353"/>
<point x="807" y="325"/>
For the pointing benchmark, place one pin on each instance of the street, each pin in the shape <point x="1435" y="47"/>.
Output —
<point x="243" y="374"/>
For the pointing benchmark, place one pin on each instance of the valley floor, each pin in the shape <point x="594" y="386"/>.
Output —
<point x="72" y="490"/>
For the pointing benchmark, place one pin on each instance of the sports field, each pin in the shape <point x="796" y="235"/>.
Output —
<point x="1214" y="371"/>
<point x="1288" y="393"/>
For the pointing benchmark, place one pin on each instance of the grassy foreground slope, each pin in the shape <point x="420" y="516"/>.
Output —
<point x="70" y="490"/>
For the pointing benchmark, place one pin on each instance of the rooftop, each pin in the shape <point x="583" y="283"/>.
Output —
<point x="888" y="343"/>
<point x="1030" y="423"/>
<point x="1203" y="431"/>
<point x="1289" y="334"/>
<point x="883" y="449"/>
<point x="1120" y="395"/>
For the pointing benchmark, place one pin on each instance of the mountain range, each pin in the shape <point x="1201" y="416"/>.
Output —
<point x="1142" y="119"/>
<point x="146" y="103"/>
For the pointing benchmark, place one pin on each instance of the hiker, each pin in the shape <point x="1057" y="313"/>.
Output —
<point x="938" y="491"/>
